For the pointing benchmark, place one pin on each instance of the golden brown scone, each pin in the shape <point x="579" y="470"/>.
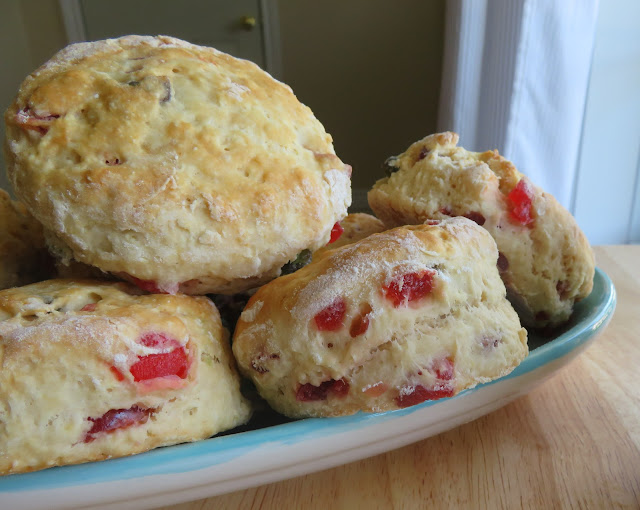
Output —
<point x="545" y="259"/>
<point x="23" y="255"/>
<point x="354" y="227"/>
<point x="411" y="314"/>
<point x="92" y="371"/>
<point x="176" y="166"/>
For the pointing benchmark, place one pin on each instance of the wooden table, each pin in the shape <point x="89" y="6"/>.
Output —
<point x="574" y="442"/>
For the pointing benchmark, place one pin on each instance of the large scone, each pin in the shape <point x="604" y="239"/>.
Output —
<point x="92" y="370"/>
<point x="545" y="259"/>
<point x="411" y="314"/>
<point x="23" y="255"/>
<point x="176" y="166"/>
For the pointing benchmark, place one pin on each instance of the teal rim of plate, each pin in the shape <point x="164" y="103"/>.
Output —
<point x="590" y="316"/>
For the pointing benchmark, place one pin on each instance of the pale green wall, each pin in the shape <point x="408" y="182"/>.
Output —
<point x="30" y="32"/>
<point x="369" y="69"/>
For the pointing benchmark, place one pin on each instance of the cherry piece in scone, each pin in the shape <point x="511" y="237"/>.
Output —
<point x="117" y="419"/>
<point x="331" y="318"/>
<point x="443" y="369"/>
<point x="336" y="232"/>
<point x="418" y="394"/>
<point x="163" y="364"/>
<point x="151" y="286"/>
<point x="409" y="287"/>
<point x="118" y="375"/>
<point x="360" y="322"/>
<point x="308" y="392"/>
<point x="520" y="201"/>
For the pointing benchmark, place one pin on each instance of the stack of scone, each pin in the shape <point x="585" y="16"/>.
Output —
<point x="187" y="172"/>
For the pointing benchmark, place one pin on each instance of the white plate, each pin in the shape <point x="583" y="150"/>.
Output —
<point x="244" y="459"/>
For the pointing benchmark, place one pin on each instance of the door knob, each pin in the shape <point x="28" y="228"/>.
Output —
<point x="248" y="22"/>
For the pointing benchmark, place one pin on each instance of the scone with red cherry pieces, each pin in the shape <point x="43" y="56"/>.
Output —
<point x="412" y="314"/>
<point x="545" y="259"/>
<point x="24" y="257"/>
<point x="93" y="370"/>
<point x="175" y="166"/>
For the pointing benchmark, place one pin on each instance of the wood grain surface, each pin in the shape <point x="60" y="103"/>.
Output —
<point x="573" y="442"/>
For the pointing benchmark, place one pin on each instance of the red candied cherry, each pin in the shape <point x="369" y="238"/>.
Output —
<point x="116" y="419"/>
<point x="153" y="287"/>
<point x="163" y="364"/>
<point x="118" y="375"/>
<point x="410" y="396"/>
<point x="360" y="322"/>
<point x="520" y="201"/>
<point x="442" y="368"/>
<point x="331" y="318"/>
<point x="147" y="285"/>
<point x="336" y="232"/>
<point x="151" y="366"/>
<point x="159" y="340"/>
<point x="409" y="287"/>
<point x="308" y="392"/>
<point x="89" y="307"/>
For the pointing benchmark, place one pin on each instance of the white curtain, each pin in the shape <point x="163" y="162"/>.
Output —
<point x="515" y="78"/>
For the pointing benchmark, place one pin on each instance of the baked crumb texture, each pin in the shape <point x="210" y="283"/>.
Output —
<point x="545" y="259"/>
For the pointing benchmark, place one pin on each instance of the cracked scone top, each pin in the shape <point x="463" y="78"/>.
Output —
<point x="411" y="314"/>
<point x="176" y="166"/>
<point x="94" y="370"/>
<point x="545" y="259"/>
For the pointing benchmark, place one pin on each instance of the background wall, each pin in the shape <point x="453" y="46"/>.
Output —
<point x="30" y="32"/>
<point x="369" y="69"/>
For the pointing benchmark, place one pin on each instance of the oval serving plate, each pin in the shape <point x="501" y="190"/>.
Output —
<point x="262" y="455"/>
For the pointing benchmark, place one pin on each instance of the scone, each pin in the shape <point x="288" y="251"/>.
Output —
<point x="23" y="255"/>
<point x="545" y="259"/>
<point x="175" y="166"/>
<point x="411" y="314"/>
<point x="354" y="227"/>
<point x="92" y="370"/>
